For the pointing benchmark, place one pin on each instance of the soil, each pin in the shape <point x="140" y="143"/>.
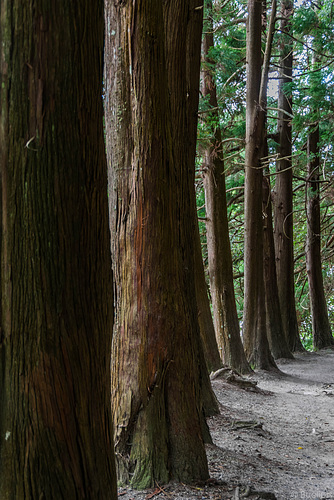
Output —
<point x="274" y="438"/>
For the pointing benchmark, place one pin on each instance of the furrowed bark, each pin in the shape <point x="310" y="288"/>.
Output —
<point x="56" y="294"/>
<point x="183" y="57"/>
<point x="157" y="395"/>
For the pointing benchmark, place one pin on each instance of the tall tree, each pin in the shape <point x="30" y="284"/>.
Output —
<point x="56" y="296"/>
<point x="283" y="200"/>
<point x="321" y="329"/>
<point x="313" y="96"/>
<point x="254" y="322"/>
<point x="207" y="329"/>
<point x="275" y="330"/>
<point x="322" y="334"/>
<point x="157" y="396"/>
<point x="183" y="69"/>
<point x="218" y="243"/>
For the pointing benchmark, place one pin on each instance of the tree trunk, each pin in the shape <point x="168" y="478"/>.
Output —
<point x="183" y="73"/>
<point x="254" y="322"/>
<point x="208" y="336"/>
<point x="275" y="331"/>
<point x="322" y="335"/>
<point x="219" y="250"/>
<point x="157" y="395"/>
<point x="283" y="225"/>
<point x="56" y="294"/>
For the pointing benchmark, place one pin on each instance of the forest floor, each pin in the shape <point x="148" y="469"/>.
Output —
<point x="272" y="441"/>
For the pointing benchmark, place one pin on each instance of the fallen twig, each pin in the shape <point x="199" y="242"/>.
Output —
<point x="246" y="424"/>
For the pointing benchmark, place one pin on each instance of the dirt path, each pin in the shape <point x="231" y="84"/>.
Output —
<point x="276" y="442"/>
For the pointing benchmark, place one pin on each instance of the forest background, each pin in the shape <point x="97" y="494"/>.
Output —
<point x="311" y="88"/>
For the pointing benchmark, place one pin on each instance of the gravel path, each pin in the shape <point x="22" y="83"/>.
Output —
<point x="276" y="442"/>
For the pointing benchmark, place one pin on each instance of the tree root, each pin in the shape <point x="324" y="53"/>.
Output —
<point x="246" y="424"/>
<point x="249" y="492"/>
<point x="233" y="377"/>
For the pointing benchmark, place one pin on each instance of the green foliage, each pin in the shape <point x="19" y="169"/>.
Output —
<point x="305" y="21"/>
<point x="312" y="89"/>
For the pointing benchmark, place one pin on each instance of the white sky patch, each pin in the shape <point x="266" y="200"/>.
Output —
<point x="273" y="85"/>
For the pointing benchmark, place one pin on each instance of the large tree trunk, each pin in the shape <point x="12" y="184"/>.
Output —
<point x="254" y="322"/>
<point x="157" y="395"/>
<point x="183" y="72"/>
<point x="219" y="250"/>
<point x="322" y="335"/>
<point x="56" y="292"/>
<point x="283" y="204"/>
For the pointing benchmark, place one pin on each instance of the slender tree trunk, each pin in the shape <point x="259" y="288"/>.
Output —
<point x="254" y="323"/>
<point x="275" y="331"/>
<point x="157" y="395"/>
<point x="56" y="293"/>
<point x="219" y="250"/>
<point x="283" y="225"/>
<point x="322" y="334"/>
<point x="207" y="329"/>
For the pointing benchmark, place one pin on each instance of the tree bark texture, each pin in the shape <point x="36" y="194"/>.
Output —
<point x="157" y="361"/>
<point x="56" y="293"/>
<point x="218" y="242"/>
<point x="283" y="200"/>
<point x="183" y="59"/>
<point x="322" y="334"/>
<point x="254" y="321"/>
